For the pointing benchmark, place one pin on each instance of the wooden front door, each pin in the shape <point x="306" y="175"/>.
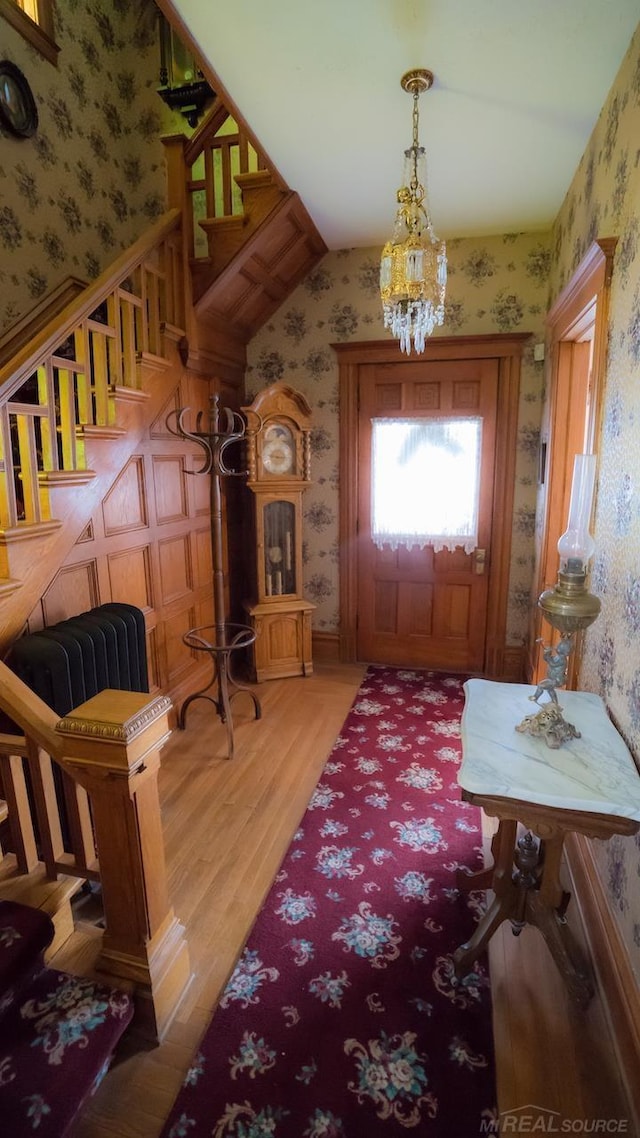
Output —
<point x="420" y="607"/>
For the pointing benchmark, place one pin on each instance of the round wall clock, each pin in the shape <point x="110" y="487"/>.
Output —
<point x="18" y="111"/>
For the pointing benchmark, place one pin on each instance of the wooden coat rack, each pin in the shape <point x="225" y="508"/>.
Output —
<point x="222" y="638"/>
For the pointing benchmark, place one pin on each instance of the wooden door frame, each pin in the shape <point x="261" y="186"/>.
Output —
<point x="507" y="350"/>
<point x="584" y="302"/>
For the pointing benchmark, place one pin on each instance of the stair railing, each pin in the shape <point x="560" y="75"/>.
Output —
<point x="222" y="181"/>
<point x="108" y="750"/>
<point x="60" y="388"/>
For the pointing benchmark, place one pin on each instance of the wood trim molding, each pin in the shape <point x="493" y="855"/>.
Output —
<point x="507" y="349"/>
<point x="513" y="664"/>
<point x="585" y="281"/>
<point x="39" y="35"/>
<point x="588" y="290"/>
<point x="616" y="983"/>
<point x="326" y="647"/>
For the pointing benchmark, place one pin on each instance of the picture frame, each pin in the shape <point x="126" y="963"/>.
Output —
<point x="18" y="111"/>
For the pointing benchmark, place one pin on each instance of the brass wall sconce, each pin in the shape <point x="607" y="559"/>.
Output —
<point x="569" y="607"/>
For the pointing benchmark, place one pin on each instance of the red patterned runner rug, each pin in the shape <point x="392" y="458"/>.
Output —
<point x="343" y="1018"/>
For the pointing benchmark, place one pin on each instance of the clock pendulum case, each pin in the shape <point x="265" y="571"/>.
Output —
<point x="278" y="462"/>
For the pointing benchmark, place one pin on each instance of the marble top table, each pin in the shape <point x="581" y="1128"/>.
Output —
<point x="589" y="785"/>
<point x="593" y="773"/>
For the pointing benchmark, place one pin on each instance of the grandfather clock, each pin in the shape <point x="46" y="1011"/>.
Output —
<point x="278" y="460"/>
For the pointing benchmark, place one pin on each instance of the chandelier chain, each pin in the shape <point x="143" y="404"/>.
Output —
<point x="416" y="144"/>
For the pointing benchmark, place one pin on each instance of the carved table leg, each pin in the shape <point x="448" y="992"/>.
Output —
<point x="545" y="909"/>
<point x="525" y="878"/>
<point x="505" y="902"/>
<point x="502" y="844"/>
<point x="499" y="910"/>
<point x="563" y="948"/>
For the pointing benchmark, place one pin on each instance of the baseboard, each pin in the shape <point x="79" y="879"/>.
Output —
<point x="326" y="647"/>
<point x="617" y="985"/>
<point x="513" y="664"/>
<point x="506" y="663"/>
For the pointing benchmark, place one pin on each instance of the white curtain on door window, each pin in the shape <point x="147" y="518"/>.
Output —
<point x="425" y="482"/>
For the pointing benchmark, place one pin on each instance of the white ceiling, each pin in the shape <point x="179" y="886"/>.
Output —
<point x="518" y="88"/>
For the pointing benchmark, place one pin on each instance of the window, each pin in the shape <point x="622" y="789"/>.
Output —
<point x="426" y="482"/>
<point x="34" y="20"/>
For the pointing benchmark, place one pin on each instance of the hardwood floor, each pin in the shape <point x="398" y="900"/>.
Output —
<point x="227" y="826"/>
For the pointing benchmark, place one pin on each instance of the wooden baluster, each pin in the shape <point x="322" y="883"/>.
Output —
<point x="153" y="311"/>
<point x="100" y="375"/>
<point x="115" y="347"/>
<point x="210" y="181"/>
<point x="83" y="849"/>
<point x="68" y="422"/>
<point x="8" y="512"/>
<point x="28" y="461"/>
<point x="110" y="744"/>
<point x="48" y="425"/>
<point x="46" y="806"/>
<point x="243" y="152"/>
<point x="127" y="323"/>
<point x="15" y="792"/>
<point x="142" y="314"/>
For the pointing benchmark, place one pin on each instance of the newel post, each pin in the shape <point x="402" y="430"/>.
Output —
<point x="110" y="744"/>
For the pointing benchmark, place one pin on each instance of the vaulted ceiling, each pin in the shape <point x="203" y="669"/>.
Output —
<point x="519" y="86"/>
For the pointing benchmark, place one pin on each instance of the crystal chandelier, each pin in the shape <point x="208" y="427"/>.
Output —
<point x="413" y="268"/>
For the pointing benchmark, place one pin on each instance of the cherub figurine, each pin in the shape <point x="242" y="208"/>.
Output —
<point x="556" y="671"/>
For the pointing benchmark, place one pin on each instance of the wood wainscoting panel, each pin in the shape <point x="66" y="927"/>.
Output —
<point x="177" y="657"/>
<point x="176" y="569"/>
<point x="200" y="492"/>
<point x="153" y="663"/>
<point x="73" y="590"/>
<point x="617" y="988"/>
<point x="159" y="428"/>
<point x="203" y="558"/>
<point x="130" y="576"/>
<point x="169" y="487"/>
<point x="149" y="544"/>
<point x="125" y="506"/>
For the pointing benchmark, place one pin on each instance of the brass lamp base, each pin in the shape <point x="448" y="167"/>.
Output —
<point x="569" y="608"/>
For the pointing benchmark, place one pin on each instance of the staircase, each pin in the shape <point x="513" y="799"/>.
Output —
<point x="79" y="387"/>
<point x="57" y="1032"/>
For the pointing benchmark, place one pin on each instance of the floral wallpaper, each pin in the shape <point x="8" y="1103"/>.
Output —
<point x="496" y="284"/>
<point x="604" y="201"/>
<point x="92" y="178"/>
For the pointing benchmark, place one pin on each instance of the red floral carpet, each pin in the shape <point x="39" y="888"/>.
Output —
<point x="342" y="1018"/>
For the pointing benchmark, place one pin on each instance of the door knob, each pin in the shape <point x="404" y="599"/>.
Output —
<point x="480" y="558"/>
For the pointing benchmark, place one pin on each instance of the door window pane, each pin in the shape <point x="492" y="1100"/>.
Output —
<point x="425" y="482"/>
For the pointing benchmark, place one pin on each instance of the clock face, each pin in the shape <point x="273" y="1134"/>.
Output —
<point x="278" y="450"/>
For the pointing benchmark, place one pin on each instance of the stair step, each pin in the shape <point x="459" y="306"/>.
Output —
<point x="99" y="431"/>
<point x="35" y="889"/>
<point x="56" y="1042"/>
<point x="28" y="531"/>
<point x="25" y="933"/>
<point x="51" y="478"/>
<point x="8" y="585"/>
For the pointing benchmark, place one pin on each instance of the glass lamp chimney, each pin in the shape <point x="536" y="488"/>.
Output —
<point x="576" y="546"/>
